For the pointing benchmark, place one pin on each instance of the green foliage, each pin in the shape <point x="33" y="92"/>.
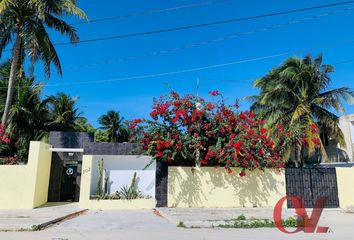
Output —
<point x="36" y="227"/>
<point x="125" y="193"/>
<point x="29" y="21"/>
<point x="181" y="225"/>
<point x="99" y="191"/>
<point x="83" y="125"/>
<point x="188" y="130"/>
<point x="241" y="217"/>
<point x="114" y="127"/>
<point x="24" y="25"/>
<point x="101" y="136"/>
<point x="296" y="96"/>
<point x="131" y="192"/>
<point x="31" y="118"/>
<point x="242" y="222"/>
<point x="63" y="114"/>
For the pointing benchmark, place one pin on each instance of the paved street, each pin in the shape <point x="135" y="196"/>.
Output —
<point x="149" y="224"/>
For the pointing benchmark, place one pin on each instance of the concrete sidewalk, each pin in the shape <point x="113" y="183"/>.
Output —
<point x="20" y="220"/>
<point x="114" y="220"/>
<point x="211" y="217"/>
<point x="148" y="224"/>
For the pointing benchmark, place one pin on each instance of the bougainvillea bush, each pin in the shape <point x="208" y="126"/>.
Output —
<point x="8" y="158"/>
<point x="191" y="131"/>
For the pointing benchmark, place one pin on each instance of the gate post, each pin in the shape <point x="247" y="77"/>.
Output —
<point x="161" y="184"/>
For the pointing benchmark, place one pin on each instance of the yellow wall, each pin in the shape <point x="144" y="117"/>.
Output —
<point x="86" y="203"/>
<point x="26" y="186"/>
<point x="345" y="183"/>
<point x="209" y="187"/>
<point x="12" y="185"/>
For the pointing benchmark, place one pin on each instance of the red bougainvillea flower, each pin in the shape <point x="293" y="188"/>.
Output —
<point x="264" y="131"/>
<point x="162" y="108"/>
<point x="314" y="128"/>
<point x="220" y="135"/>
<point x="280" y="127"/>
<point x="242" y="116"/>
<point x="154" y="113"/>
<point x="229" y="171"/>
<point x="214" y="93"/>
<point x="316" y="141"/>
<point x="137" y="120"/>
<point x="3" y="137"/>
<point x="209" y="106"/>
<point x="250" y="114"/>
<point x="174" y="95"/>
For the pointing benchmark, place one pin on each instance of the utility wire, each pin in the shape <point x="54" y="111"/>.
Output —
<point x="187" y="70"/>
<point x="207" y="24"/>
<point x="203" y="25"/>
<point x="155" y="11"/>
<point x="167" y="73"/>
<point x="139" y="77"/>
<point x="207" y="42"/>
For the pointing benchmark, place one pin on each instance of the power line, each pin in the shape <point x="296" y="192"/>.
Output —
<point x="155" y="11"/>
<point x="203" y="25"/>
<point x="195" y="69"/>
<point x="207" y="42"/>
<point x="207" y="24"/>
<point x="186" y="70"/>
<point x="247" y="81"/>
<point x="167" y="73"/>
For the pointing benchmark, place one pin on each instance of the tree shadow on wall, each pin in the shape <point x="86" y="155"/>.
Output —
<point x="190" y="193"/>
<point x="254" y="190"/>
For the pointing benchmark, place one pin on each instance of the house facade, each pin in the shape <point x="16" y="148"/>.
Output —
<point x="339" y="153"/>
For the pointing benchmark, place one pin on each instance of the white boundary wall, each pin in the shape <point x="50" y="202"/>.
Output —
<point x="121" y="169"/>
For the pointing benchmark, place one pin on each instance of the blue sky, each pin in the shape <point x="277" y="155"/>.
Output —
<point x="333" y="36"/>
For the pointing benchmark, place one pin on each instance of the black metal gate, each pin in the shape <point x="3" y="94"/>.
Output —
<point x="68" y="183"/>
<point x="311" y="183"/>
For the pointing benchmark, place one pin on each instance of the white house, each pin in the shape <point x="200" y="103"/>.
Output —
<point x="338" y="153"/>
<point x="346" y="123"/>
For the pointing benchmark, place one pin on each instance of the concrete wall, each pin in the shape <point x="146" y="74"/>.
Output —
<point x="345" y="183"/>
<point x="121" y="169"/>
<point x="26" y="186"/>
<point x="113" y="164"/>
<point x="209" y="187"/>
<point x="102" y="148"/>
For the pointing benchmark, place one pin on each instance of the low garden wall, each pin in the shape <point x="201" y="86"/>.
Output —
<point x="26" y="186"/>
<point x="215" y="188"/>
<point x="345" y="184"/>
<point x="120" y="169"/>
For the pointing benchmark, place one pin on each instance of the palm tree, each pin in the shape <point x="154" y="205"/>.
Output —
<point x="28" y="115"/>
<point x="296" y="95"/>
<point x="117" y="130"/>
<point x="25" y="23"/>
<point x="84" y="126"/>
<point x="63" y="114"/>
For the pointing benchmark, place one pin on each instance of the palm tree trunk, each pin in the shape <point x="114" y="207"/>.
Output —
<point x="298" y="155"/>
<point x="12" y="79"/>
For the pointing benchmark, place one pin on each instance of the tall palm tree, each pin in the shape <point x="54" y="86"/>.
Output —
<point x="25" y="24"/>
<point x="28" y="115"/>
<point x="296" y="95"/>
<point x="63" y="113"/>
<point x="114" y="125"/>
